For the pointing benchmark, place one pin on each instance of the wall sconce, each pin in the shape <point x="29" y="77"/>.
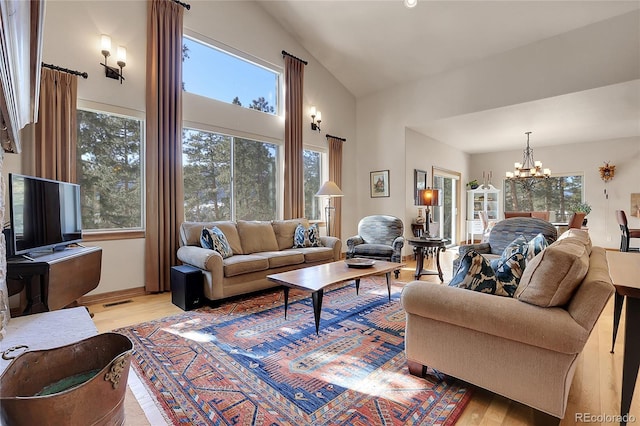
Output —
<point x="316" y="118"/>
<point x="121" y="60"/>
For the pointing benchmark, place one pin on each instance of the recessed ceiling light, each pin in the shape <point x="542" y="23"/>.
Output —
<point x="410" y="3"/>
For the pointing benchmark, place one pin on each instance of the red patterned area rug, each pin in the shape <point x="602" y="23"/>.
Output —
<point x="243" y="363"/>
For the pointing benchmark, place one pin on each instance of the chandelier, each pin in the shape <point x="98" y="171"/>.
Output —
<point x="528" y="168"/>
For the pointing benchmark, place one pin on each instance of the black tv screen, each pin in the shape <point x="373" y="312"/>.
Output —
<point x="45" y="214"/>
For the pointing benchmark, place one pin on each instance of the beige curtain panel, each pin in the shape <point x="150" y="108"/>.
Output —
<point x="56" y="129"/>
<point x="335" y="175"/>
<point x="164" y="185"/>
<point x="293" y="169"/>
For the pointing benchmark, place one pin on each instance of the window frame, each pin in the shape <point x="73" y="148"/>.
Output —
<point x="555" y="175"/>
<point x="246" y="57"/>
<point x="279" y="161"/>
<point x="91" y="235"/>
<point x="324" y="174"/>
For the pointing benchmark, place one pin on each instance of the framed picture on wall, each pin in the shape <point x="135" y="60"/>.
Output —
<point x="379" y="183"/>
<point x="419" y="182"/>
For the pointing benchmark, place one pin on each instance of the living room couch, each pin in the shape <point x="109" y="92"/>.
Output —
<point x="260" y="248"/>
<point x="524" y="347"/>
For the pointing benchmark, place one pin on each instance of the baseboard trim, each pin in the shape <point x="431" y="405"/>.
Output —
<point x="112" y="296"/>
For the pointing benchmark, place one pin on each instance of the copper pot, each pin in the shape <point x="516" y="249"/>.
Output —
<point x="83" y="383"/>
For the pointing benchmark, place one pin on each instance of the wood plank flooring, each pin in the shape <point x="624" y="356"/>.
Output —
<point x="595" y="390"/>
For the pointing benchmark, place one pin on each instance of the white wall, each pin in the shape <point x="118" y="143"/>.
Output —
<point x="424" y="153"/>
<point x="585" y="158"/>
<point x="594" y="56"/>
<point x="72" y="40"/>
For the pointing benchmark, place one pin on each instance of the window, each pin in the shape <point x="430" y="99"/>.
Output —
<point x="557" y="194"/>
<point x="216" y="74"/>
<point x="228" y="178"/>
<point x="110" y="171"/>
<point x="312" y="176"/>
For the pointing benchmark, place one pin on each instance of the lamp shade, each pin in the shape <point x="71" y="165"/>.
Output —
<point x="429" y="197"/>
<point x="329" y="189"/>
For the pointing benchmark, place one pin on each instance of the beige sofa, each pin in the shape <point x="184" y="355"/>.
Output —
<point x="520" y="350"/>
<point x="259" y="248"/>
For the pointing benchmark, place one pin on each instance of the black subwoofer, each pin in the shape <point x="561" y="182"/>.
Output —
<point x="186" y="287"/>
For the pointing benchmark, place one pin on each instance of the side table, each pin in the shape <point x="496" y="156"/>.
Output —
<point x="421" y="245"/>
<point x="624" y="269"/>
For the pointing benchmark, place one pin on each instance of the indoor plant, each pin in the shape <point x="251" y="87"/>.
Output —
<point x="583" y="207"/>
<point x="473" y="184"/>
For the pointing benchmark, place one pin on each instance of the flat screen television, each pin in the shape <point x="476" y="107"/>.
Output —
<point x="45" y="214"/>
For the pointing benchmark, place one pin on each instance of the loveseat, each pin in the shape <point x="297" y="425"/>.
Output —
<point x="524" y="347"/>
<point x="259" y="248"/>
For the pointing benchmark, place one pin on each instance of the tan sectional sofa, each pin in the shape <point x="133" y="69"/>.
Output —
<point x="260" y="248"/>
<point x="521" y="350"/>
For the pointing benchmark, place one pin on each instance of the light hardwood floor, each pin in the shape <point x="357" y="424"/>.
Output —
<point x="595" y="389"/>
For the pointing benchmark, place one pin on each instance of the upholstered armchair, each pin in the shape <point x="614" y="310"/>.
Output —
<point x="504" y="232"/>
<point x="379" y="237"/>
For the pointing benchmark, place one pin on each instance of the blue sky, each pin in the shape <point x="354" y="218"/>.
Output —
<point x="214" y="74"/>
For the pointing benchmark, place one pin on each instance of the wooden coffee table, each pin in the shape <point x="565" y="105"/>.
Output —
<point x="316" y="278"/>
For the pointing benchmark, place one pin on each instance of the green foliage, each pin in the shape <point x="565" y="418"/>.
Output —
<point x="109" y="171"/>
<point x="556" y="194"/>
<point x="582" y="208"/>
<point x="311" y="175"/>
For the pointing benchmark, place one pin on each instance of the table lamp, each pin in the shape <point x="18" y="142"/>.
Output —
<point x="429" y="198"/>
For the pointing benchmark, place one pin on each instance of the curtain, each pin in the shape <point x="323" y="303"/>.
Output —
<point x="164" y="185"/>
<point x="335" y="175"/>
<point x="56" y="129"/>
<point x="293" y="164"/>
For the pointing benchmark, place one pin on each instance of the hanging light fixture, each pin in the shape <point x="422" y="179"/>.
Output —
<point x="528" y="168"/>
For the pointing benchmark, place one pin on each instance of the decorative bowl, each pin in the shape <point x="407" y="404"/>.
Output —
<point x="357" y="262"/>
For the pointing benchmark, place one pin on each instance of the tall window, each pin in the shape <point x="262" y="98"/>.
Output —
<point x="312" y="175"/>
<point x="557" y="194"/>
<point x="110" y="170"/>
<point x="228" y="178"/>
<point x="216" y="74"/>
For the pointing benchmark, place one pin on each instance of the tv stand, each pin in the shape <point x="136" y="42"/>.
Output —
<point x="56" y="279"/>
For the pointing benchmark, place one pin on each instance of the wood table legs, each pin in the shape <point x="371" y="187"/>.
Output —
<point x="631" y="356"/>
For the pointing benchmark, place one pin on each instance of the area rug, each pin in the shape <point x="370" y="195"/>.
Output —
<point x="243" y="363"/>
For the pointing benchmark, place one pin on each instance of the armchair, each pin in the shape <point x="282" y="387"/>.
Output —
<point x="379" y="237"/>
<point x="504" y="232"/>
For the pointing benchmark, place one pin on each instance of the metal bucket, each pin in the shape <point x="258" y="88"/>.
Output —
<point x="83" y="383"/>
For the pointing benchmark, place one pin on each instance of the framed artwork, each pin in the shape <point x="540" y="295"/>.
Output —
<point x="379" y="183"/>
<point x="419" y="183"/>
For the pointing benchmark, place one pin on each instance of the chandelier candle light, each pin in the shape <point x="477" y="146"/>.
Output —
<point x="330" y="190"/>
<point x="528" y="168"/>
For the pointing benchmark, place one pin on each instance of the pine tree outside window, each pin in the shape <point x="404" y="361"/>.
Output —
<point x="109" y="169"/>
<point x="228" y="178"/>
<point x="557" y="195"/>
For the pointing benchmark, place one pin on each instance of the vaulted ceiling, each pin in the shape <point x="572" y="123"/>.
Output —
<point x="374" y="45"/>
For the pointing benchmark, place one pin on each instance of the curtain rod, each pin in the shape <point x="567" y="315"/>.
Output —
<point x="335" y="137"/>
<point x="284" y="53"/>
<point x="185" y="5"/>
<point x="67" y="70"/>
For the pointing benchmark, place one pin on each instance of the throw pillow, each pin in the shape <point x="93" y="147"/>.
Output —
<point x="552" y="277"/>
<point x="535" y="246"/>
<point x="476" y="273"/>
<point x="214" y="239"/>
<point x="307" y="237"/>
<point x="519" y="245"/>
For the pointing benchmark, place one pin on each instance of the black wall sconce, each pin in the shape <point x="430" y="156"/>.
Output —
<point x="112" y="72"/>
<point x="316" y="118"/>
